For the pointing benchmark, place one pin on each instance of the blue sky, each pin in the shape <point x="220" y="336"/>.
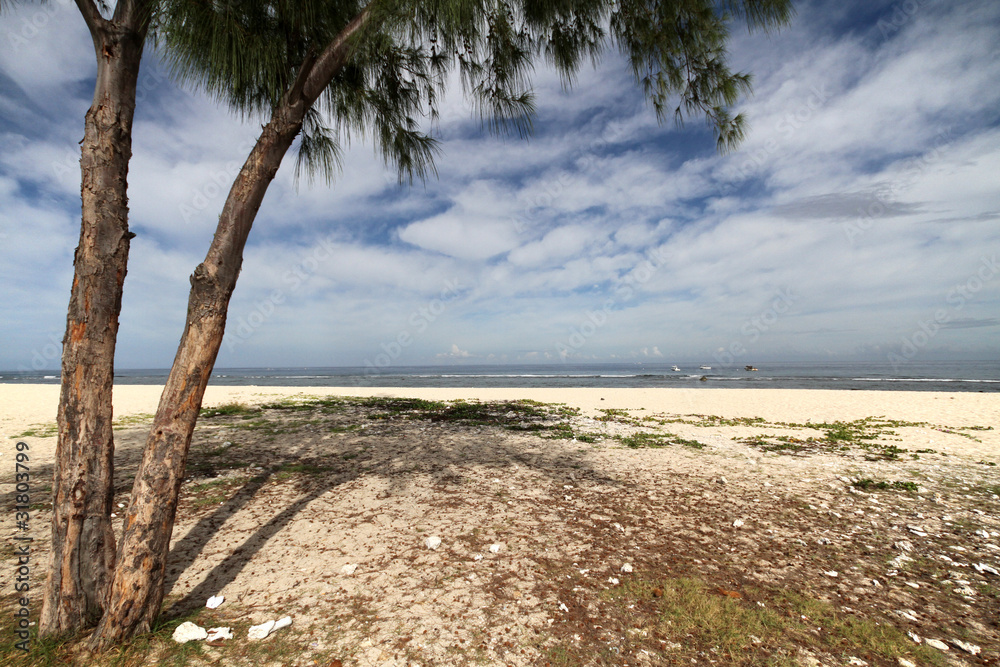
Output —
<point x="858" y="221"/>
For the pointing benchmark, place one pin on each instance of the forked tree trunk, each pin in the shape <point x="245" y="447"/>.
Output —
<point x="137" y="589"/>
<point x="83" y="543"/>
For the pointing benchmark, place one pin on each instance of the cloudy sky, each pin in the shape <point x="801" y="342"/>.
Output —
<point x="861" y="218"/>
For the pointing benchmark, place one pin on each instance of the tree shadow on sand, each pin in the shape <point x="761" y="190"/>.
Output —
<point x="336" y="449"/>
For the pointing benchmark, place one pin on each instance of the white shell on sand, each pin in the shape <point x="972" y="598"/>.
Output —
<point x="215" y="634"/>
<point x="215" y="601"/>
<point x="260" y="631"/>
<point x="627" y="568"/>
<point x="972" y="649"/>
<point x="433" y="542"/>
<point x="264" y="629"/>
<point x="349" y="568"/>
<point x="495" y="548"/>
<point x="188" y="631"/>
<point x="983" y="567"/>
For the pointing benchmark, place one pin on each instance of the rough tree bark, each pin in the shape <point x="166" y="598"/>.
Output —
<point x="83" y="544"/>
<point x="137" y="589"/>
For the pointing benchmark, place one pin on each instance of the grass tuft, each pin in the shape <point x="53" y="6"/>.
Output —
<point x="229" y="410"/>
<point x="656" y="440"/>
<point x="38" y="431"/>
<point x="872" y="485"/>
<point x="752" y="626"/>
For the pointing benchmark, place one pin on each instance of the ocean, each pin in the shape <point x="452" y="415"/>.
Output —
<point x="981" y="376"/>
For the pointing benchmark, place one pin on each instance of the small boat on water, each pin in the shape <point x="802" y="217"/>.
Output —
<point x="674" y="368"/>
<point x="749" y="368"/>
<point x="705" y="368"/>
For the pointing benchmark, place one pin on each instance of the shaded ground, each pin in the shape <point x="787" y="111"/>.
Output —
<point x="747" y="542"/>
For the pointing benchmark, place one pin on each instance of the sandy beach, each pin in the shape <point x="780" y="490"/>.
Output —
<point x="24" y="405"/>
<point x="881" y="505"/>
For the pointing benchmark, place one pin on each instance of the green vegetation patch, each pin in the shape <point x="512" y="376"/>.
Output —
<point x="957" y="430"/>
<point x="751" y="627"/>
<point x="652" y="440"/>
<point x="495" y="413"/>
<point x="293" y="403"/>
<point x="38" y="431"/>
<point x="710" y="420"/>
<point x="520" y="415"/>
<point x="399" y="406"/>
<point x="617" y="416"/>
<point x="549" y="420"/>
<point x="289" y="469"/>
<point x="137" y="419"/>
<point x="230" y="410"/>
<point x="872" y="485"/>
<point x="873" y="435"/>
<point x="213" y="492"/>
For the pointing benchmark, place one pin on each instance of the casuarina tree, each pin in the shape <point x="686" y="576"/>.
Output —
<point x="322" y="71"/>
<point x="83" y="545"/>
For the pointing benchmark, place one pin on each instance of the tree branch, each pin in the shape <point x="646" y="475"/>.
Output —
<point x="305" y="71"/>
<point x="332" y="59"/>
<point x="133" y="14"/>
<point x="92" y="15"/>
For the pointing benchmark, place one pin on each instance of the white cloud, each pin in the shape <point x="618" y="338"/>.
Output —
<point x="519" y="242"/>
<point x="641" y="234"/>
<point x="46" y="48"/>
<point x="455" y="353"/>
<point x="559" y="244"/>
<point x="476" y="227"/>
<point x="458" y="235"/>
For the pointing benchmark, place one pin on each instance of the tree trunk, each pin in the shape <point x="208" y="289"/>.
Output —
<point x="137" y="590"/>
<point x="83" y="546"/>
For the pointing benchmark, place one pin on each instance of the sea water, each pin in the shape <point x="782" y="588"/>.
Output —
<point x="981" y="376"/>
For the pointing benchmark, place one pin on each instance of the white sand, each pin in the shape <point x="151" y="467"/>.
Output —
<point x="567" y="515"/>
<point x="23" y="405"/>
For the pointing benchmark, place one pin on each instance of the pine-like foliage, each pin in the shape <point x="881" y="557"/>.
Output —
<point x="249" y="53"/>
